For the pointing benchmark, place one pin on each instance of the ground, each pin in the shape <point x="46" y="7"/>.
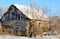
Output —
<point x="37" y="37"/>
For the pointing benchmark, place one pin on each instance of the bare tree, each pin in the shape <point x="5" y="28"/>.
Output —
<point x="1" y="11"/>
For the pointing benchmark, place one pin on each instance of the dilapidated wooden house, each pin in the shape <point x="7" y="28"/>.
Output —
<point x="17" y="18"/>
<point x="19" y="12"/>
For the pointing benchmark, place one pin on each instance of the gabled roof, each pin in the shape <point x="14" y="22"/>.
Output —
<point x="31" y="13"/>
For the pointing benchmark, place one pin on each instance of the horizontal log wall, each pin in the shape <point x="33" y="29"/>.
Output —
<point x="25" y="28"/>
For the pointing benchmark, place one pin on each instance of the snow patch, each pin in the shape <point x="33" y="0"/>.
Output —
<point x="37" y="37"/>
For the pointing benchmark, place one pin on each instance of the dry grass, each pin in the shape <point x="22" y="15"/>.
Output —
<point x="39" y="27"/>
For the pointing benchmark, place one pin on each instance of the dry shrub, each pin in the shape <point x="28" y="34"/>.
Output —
<point x="38" y="27"/>
<point x="55" y="24"/>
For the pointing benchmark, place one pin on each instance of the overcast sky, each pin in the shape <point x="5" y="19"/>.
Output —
<point x="53" y="4"/>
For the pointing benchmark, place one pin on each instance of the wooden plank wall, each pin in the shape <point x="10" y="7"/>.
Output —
<point x="33" y="27"/>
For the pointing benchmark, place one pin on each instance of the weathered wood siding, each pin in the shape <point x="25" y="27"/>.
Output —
<point x="16" y="27"/>
<point x="26" y="28"/>
<point x="13" y="14"/>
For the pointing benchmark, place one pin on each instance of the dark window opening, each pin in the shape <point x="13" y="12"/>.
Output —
<point x="19" y="17"/>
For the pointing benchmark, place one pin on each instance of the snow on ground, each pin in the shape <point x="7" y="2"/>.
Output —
<point x="37" y="37"/>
